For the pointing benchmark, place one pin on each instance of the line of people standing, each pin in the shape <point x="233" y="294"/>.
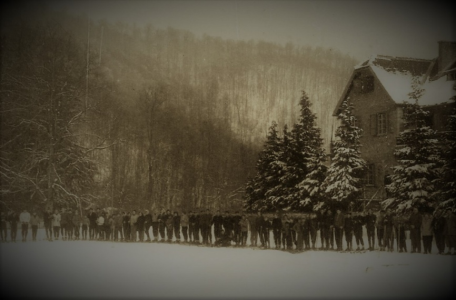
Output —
<point x="290" y="232"/>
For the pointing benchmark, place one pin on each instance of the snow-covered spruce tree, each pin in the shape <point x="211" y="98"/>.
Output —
<point x="412" y="181"/>
<point x="445" y="183"/>
<point x="267" y="176"/>
<point x="305" y="169"/>
<point x="343" y="180"/>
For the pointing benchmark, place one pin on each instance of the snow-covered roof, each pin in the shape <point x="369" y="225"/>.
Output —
<point x="398" y="75"/>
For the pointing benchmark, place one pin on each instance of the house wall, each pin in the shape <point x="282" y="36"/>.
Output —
<point x="376" y="149"/>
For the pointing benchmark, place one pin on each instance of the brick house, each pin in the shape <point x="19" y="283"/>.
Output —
<point x="377" y="90"/>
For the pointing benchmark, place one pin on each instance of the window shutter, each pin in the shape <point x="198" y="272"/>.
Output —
<point x="388" y="116"/>
<point x="373" y="124"/>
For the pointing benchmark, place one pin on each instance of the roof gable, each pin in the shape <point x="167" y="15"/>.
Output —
<point x="398" y="75"/>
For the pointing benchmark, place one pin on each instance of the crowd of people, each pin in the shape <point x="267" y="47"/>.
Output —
<point x="385" y="229"/>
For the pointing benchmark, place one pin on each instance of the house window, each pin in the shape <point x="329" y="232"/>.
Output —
<point x="381" y="124"/>
<point x="369" y="178"/>
<point x="355" y="122"/>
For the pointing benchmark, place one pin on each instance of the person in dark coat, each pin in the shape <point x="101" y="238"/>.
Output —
<point x="244" y="224"/>
<point x="154" y="224"/>
<point x="13" y="219"/>
<point x="286" y="233"/>
<point x="388" y="237"/>
<point x="126" y="226"/>
<point x="302" y="229"/>
<point x="191" y="226"/>
<point x="162" y="225"/>
<point x="196" y="229"/>
<point x="184" y="221"/>
<point x="140" y="222"/>
<point x="217" y="221"/>
<point x="47" y="220"/>
<point x="313" y="227"/>
<point x="227" y="223"/>
<point x="370" y="221"/>
<point x="177" y="226"/>
<point x="450" y="231"/>
<point x="147" y="224"/>
<point x="415" y="230"/>
<point x="339" y="224"/>
<point x="93" y="224"/>
<point x="380" y="228"/>
<point x="358" y="223"/>
<point x="438" y="225"/>
<point x="399" y="229"/>
<point x="63" y="224"/>
<point x="169" y="226"/>
<point x="34" y="222"/>
<point x="265" y="230"/>
<point x="277" y="230"/>
<point x="259" y="223"/>
<point x="348" y="229"/>
<point x="3" y="229"/>
<point x="253" y="230"/>
<point x="237" y="228"/>
<point x="224" y="240"/>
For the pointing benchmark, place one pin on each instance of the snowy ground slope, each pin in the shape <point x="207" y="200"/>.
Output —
<point x="108" y="269"/>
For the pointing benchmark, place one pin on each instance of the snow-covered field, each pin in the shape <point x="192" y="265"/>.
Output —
<point x="88" y="269"/>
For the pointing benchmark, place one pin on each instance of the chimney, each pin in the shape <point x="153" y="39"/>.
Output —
<point x="447" y="54"/>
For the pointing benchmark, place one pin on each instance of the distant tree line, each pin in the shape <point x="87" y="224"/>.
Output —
<point x="113" y="114"/>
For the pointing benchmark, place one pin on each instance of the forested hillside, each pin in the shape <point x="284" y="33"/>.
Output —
<point x="114" y="114"/>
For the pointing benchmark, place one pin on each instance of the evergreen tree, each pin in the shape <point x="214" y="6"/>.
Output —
<point x="268" y="170"/>
<point x="305" y="167"/>
<point x="343" y="181"/>
<point x="445" y="182"/>
<point x="412" y="181"/>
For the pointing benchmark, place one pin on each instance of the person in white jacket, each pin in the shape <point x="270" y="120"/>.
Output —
<point x="24" y="218"/>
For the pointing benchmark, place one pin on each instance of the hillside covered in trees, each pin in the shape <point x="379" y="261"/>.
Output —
<point x="118" y="115"/>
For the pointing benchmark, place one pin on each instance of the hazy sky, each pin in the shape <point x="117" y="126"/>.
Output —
<point x="359" y="28"/>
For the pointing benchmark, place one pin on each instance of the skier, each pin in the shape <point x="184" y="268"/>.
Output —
<point x="217" y="221"/>
<point x="244" y="224"/>
<point x="370" y="221"/>
<point x="415" y="220"/>
<point x="426" y="232"/>
<point x="348" y="228"/>
<point x="314" y="226"/>
<point x="169" y="226"/>
<point x="154" y="224"/>
<point x="399" y="230"/>
<point x="176" y="226"/>
<point x="276" y="230"/>
<point x="147" y="224"/>
<point x="34" y="222"/>
<point x="24" y="218"/>
<point x="358" y="222"/>
<point x="56" y="224"/>
<point x="380" y="228"/>
<point x="184" y="221"/>
<point x="339" y="220"/>
<point x="133" y="224"/>
<point x="388" y="238"/>
<point x="438" y="226"/>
